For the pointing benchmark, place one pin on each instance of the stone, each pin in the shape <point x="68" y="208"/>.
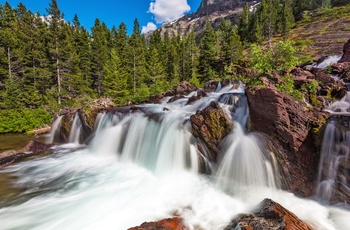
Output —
<point x="32" y="148"/>
<point x="346" y="53"/>
<point x="211" y="125"/>
<point x="289" y="124"/>
<point x="270" y="215"/>
<point x="175" y="223"/>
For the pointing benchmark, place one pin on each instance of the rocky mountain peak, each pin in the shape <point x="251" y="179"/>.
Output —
<point x="213" y="11"/>
<point x="210" y="6"/>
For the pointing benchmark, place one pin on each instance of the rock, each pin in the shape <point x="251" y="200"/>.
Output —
<point x="290" y="125"/>
<point x="211" y="125"/>
<point x="270" y="215"/>
<point x="184" y="88"/>
<point x="321" y="75"/>
<point x="200" y="94"/>
<point x="87" y="120"/>
<point x="210" y="86"/>
<point x="32" y="148"/>
<point x="175" y="223"/>
<point x="346" y="53"/>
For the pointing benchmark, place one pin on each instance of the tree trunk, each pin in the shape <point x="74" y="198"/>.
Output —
<point x="134" y="71"/>
<point x="58" y="75"/>
<point x="9" y="61"/>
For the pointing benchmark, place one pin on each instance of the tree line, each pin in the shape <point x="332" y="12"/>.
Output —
<point x="46" y="62"/>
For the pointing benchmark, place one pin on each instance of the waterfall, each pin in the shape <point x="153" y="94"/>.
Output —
<point x="56" y="125"/>
<point x="245" y="160"/>
<point x="335" y="152"/>
<point x="144" y="166"/>
<point x="75" y="130"/>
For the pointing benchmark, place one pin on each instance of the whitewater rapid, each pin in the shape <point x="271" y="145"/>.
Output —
<point x="139" y="169"/>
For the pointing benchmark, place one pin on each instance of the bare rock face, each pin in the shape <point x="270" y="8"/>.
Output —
<point x="166" y="224"/>
<point x="290" y="125"/>
<point x="211" y="125"/>
<point x="270" y="215"/>
<point x="213" y="11"/>
<point x="346" y="53"/>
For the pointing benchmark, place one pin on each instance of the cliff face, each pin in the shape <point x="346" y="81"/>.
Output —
<point x="209" y="10"/>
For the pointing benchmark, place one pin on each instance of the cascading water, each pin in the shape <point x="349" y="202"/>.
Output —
<point x="143" y="166"/>
<point x="74" y="135"/>
<point x="333" y="172"/>
<point x="245" y="161"/>
<point x="54" y="129"/>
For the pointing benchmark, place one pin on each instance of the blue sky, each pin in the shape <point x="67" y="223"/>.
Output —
<point x="150" y="13"/>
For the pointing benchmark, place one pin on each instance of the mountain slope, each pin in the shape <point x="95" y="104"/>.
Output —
<point x="209" y="10"/>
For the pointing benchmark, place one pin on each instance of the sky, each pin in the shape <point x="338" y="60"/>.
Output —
<point x="150" y="13"/>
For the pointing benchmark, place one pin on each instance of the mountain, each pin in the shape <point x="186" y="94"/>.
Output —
<point x="213" y="10"/>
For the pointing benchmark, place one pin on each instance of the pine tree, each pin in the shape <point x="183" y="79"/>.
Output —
<point x="137" y="47"/>
<point x="243" y="23"/>
<point x="207" y="56"/>
<point x="55" y="24"/>
<point x="115" y="80"/>
<point x="101" y="42"/>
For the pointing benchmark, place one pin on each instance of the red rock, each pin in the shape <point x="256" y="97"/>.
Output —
<point x="270" y="215"/>
<point x="289" y="124"/>
<point x="175" y="223"/>
<point x="346" y="53"/>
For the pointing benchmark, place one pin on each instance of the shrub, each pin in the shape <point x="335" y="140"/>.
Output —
<point x="22" y="120"/>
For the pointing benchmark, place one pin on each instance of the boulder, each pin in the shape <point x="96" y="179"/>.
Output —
<point x="211" y="125"/>
<point x="175" y="223"/>
<point x="346" y="53"/>
<point x="270" y="215"/>
<point x="200" y="95"/>
<point x="292" y="128"/>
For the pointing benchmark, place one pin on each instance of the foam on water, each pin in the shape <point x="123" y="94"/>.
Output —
<point x="144" y="167"/>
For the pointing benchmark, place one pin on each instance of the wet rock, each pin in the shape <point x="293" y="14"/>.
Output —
<point x="200" y="95"/>
<point x="175" y="98"/>
<point x="346" y="53"/>
<point x="291" y="127"/>
<point x="210" y="86"/>
<point x="175" y="223"/>
<point x="32" y="148"/>
<point x="270" y="215"/>
<point x="87" y="120"/>
<point x="211" y="125"/>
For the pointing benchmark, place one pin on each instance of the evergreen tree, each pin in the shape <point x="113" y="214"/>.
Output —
<point x="101" y="41"/>
<point x="137" y="47"/>
<point x="115" y="80"/>
<point x="243" y="24"/>
<point x="207" y="56"/>
<point x="55" y="19"/>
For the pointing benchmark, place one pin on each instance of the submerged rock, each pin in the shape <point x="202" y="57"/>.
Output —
<point x="211" y="125"/>
<point x="166" y="224"/>
<point x="32" y="148"/>
<point x="270" y="215"/>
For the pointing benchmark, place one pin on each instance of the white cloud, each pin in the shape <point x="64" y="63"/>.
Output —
<point x="150" y="26"/>
<point x="168" y="10"/>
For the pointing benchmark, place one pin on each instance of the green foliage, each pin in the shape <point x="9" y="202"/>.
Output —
<point x="279" y="56"/>
<point x="311" y="87"/>
<point x="23" y="120"/>
<point x="287" y="86"/>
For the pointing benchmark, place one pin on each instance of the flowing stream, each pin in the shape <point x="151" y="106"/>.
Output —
<point x="144" y="166"/>
<point x="335" y="152"/>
